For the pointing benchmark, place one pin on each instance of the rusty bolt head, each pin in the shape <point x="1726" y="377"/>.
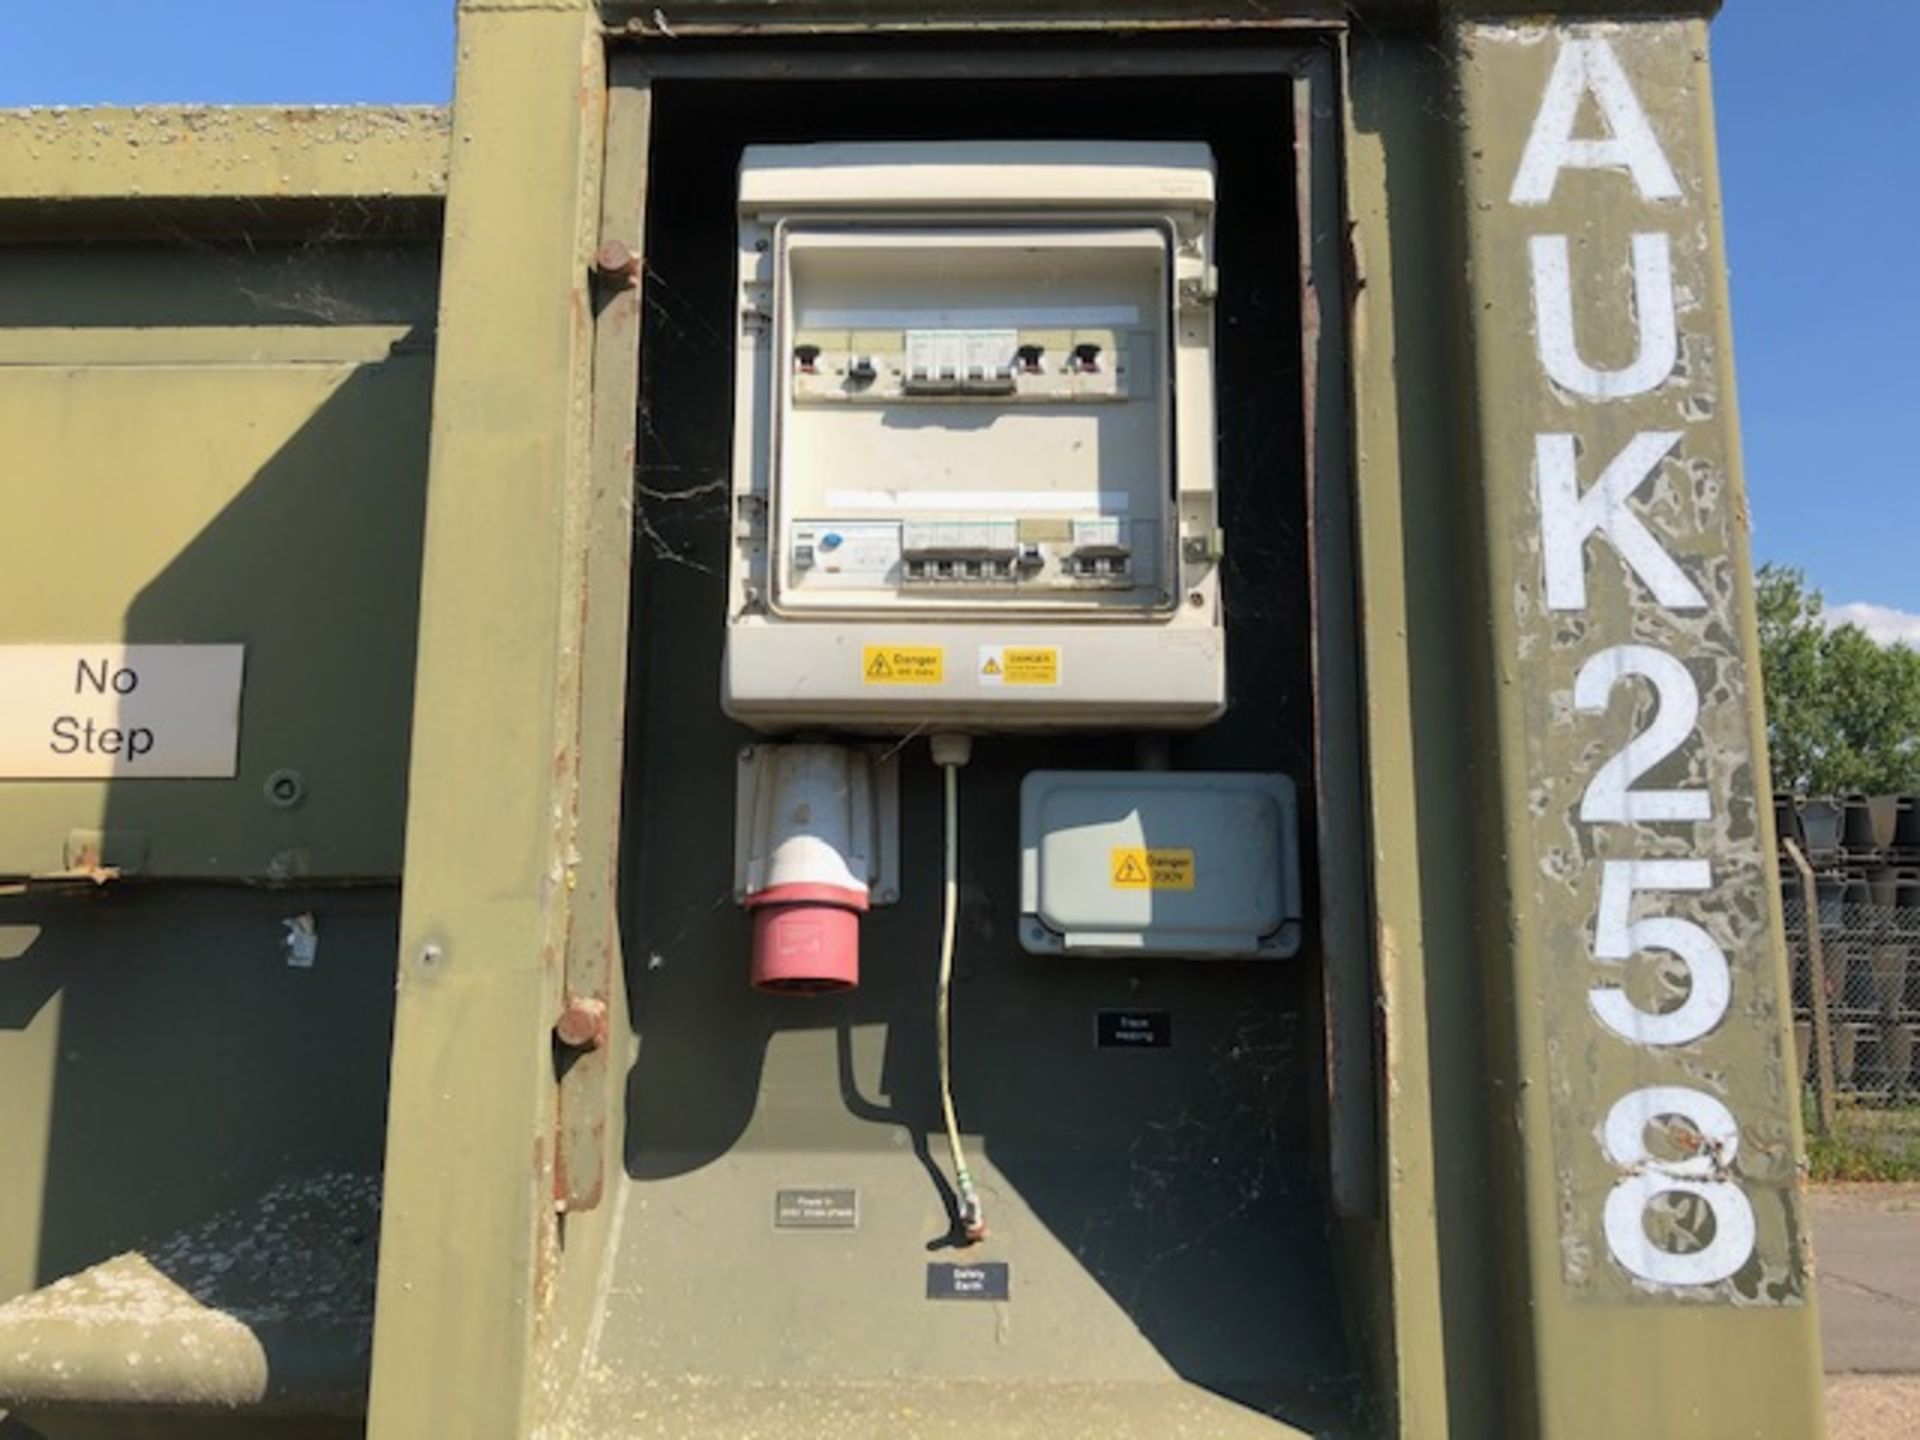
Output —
<point x="615" y="261"/>
<point x="583" y="1024"/>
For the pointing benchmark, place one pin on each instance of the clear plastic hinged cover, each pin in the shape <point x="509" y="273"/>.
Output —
<point x="974" y="443"/>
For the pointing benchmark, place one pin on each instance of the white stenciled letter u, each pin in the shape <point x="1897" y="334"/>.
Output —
<point x="1659" y="349"/>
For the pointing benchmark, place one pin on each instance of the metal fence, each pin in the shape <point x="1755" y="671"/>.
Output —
<point x="1871" y="955"/>
<point x="1863" y="855"/>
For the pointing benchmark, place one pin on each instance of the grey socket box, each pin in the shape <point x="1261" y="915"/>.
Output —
<point x="1195" y="863"/>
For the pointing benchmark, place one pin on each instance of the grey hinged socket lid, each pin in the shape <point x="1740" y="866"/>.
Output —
<point x="1120" y="862"/>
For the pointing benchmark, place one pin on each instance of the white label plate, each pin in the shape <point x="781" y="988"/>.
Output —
<point x="120" y="712"/>
<point x="847" y="555"/>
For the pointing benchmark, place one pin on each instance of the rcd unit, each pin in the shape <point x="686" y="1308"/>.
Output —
<point x="973" y="475"/>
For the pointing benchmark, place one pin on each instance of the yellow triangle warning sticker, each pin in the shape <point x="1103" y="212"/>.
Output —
<point x="903" y="665"/>
<point x="992" y="667"/>
<point x="1135" y="867"/>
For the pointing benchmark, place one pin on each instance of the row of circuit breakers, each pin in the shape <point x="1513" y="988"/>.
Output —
<point x="973" y="491"/>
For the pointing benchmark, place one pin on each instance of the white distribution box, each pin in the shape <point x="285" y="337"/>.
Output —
<point x="974" y="442"/>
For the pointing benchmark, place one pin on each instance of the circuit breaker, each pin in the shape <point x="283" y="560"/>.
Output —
<point x="974" y="441"/>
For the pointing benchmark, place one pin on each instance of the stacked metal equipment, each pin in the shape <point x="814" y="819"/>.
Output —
<point x="1865" y="854"/>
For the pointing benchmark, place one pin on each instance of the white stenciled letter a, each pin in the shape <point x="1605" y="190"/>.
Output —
<point x="1589" y="67"/>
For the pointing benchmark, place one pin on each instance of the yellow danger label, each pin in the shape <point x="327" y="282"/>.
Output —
<point x="1137" y="868"/>
<point x="1032" y="665"/>
<point x="1019" y="665"/>
<point x="903" y="665"/>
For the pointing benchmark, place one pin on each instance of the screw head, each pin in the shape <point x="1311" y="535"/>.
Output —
<point x="285" y="789"/>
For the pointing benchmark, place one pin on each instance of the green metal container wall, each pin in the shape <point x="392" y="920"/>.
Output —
<point x="1510" y="1150"/>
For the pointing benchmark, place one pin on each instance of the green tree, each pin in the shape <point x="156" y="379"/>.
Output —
<point x="1843" y="713"/>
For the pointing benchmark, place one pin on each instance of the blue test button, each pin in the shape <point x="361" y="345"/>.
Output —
<point x="830" y="541"/>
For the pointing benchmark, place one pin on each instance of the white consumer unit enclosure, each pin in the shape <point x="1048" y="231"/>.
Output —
<point x="973" y="474"/>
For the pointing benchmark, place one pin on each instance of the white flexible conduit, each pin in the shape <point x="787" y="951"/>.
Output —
<point x="950" y="752"/>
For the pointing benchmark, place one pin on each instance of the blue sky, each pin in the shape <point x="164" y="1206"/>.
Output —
<point x="1818" y="129"/>
<point x="1818" y="136"/>
<point x="233" y="52"/>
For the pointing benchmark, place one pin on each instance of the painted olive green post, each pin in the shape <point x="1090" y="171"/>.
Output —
<point x="1598" y="346"/>
<point x="469" y="1239"/>
<point x="1401" y="455"/>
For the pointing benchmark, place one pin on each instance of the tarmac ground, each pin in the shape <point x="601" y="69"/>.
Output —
<point x="1867" y="1252"/>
